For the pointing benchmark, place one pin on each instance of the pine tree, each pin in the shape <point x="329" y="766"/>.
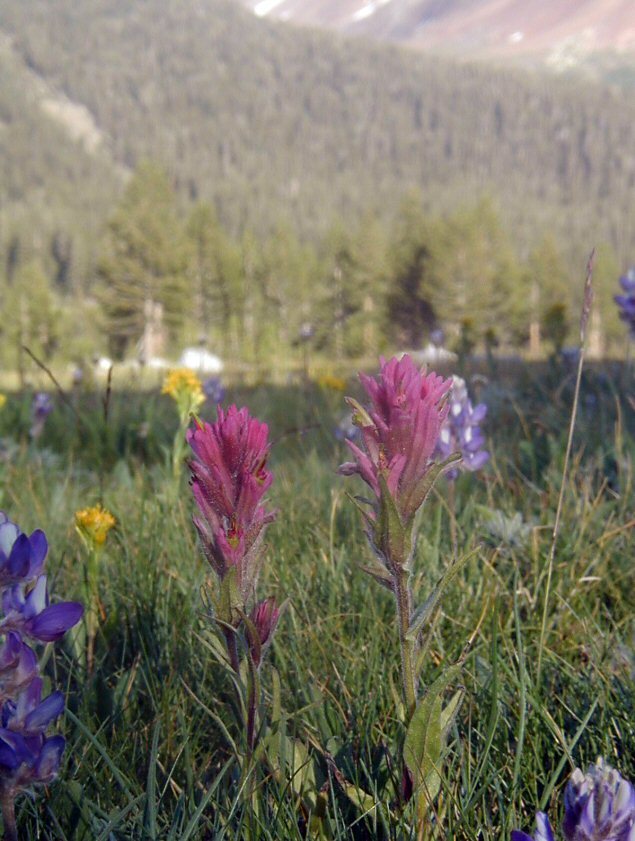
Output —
<point x="142" y="267"/>
<point x="409" y="308"/>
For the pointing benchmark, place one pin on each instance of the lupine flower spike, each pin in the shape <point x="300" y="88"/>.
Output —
<point x="213" y="390"/>
<point x="626" y="302"/>
<point x="27" y="755"/>
<point x="598" y="806"/>
<point x="41" y="408"/>
<point x="461" y="431"/>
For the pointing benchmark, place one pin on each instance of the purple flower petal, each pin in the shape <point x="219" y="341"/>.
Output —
<point x="53" y="622"/>
<point x="48" y="764"/>
<point x="45" y="713"/>
<point x="20" y="558"/>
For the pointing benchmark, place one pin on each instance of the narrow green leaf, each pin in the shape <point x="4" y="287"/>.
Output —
<point x="150" y="812"/>
<point x="422" y="490"/>
<point x="425" y="741"/>
<point x="390" y="534"/>
<point x="379" y="573"/>
<point x="194" y="820"/>
<point x="450" y="712"/>
<point x="276" y="692"/>
<point x="364" y="802"/>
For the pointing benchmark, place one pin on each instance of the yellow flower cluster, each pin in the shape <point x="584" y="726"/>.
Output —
<point x="3" y="400"/>
<point x="332" y="383"/>
<point x="183" y="384"/>
<point x="94" y="524"/>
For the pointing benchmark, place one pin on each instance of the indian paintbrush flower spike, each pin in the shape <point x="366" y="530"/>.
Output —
<point x="229" y="479"/>
<point x="399" y="432"/>
<point x="461" y="431"/>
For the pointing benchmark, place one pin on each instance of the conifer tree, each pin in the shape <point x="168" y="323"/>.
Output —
<point x="142" y="266"/>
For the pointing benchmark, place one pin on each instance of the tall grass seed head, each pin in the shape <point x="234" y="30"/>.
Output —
<point x="94" y="524"/>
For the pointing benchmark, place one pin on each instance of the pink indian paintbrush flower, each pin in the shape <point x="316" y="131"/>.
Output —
<point x="229" y="480"/>
<point x="399" y="431"/>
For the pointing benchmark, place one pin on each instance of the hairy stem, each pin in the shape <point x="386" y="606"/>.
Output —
<point x="232" y="649"/>
<point x="403" y="596"/>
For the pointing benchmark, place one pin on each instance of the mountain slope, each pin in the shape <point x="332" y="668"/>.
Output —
<point x="268" y="121"/>
<point x="495" y="27"/>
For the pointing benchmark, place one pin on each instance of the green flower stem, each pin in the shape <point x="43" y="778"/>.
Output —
<point x="90" y="600"/>
<point x="232" y="649"/>
<point x="403" y="596"/>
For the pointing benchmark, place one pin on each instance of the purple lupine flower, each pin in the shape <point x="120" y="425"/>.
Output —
<point x="41" y="408"/>
<point x="399" y="431"/>
<point x="33" y="616"/>
<point x="626" y="302"/>
<point x="213" y="390"/>
<point x="346" y="430"/>
<point x="599" y="805"/>
<point x="18" y="666"/>
<point x="21" y="557"/>
<point x="27" y="755"/>
<point x="543" y="831"/>
<point x="229" y="480"/>
<point x="461" y="431"/>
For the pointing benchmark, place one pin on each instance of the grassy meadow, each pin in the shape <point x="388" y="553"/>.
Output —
<point x="151" y="729"/>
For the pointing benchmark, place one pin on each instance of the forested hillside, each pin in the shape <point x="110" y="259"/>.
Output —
<point x="286" y="177"/>
<point x="271" y="122"/>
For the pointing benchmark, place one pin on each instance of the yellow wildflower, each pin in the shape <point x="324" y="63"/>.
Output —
<point x="184" y="387"/>
<point x="3" y="400"/>
<point x="94" y="524"/>
<point x="331" y="382"/>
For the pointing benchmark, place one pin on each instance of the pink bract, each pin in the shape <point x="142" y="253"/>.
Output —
<point x="399" y="430"/>
<point x="229" y="480"/>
